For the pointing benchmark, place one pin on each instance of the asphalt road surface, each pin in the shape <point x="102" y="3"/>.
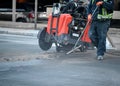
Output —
<point x="17" y="47"/>
<point x="23" y="63"/>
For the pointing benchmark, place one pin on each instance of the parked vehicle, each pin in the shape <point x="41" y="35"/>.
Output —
<point x="24" y="13"/>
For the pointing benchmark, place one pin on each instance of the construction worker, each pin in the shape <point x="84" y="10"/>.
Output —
<point x="100" y="23"/>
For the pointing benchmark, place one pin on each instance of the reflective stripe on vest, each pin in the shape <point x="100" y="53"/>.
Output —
<point x="104" y="14"/>
<point x="108" y="16"/>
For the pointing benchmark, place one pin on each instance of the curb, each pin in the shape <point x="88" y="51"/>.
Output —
<point x="19" y="25"/>
<point x="14" y="31"/>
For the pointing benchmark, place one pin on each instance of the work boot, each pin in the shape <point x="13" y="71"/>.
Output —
<point x="99" y="57"/>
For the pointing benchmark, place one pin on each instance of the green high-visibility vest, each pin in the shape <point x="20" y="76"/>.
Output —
<point x="105" y="14"/>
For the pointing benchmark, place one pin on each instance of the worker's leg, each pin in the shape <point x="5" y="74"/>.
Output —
<point x="102" y="28"/>
<point x="93" y="34"/>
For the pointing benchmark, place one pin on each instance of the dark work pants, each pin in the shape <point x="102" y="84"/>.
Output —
<point x="98" y="33"/>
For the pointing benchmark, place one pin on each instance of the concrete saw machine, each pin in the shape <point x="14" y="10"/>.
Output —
<point x="63" y="30"/>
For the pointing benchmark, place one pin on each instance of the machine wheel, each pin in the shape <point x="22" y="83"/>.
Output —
<point x="83" y="48"/>
<point x="64" y="48"/>
<point x="42" y="43"/>
<point x="58" y="49"/>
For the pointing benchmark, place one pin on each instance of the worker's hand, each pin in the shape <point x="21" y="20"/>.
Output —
<point x="99" y="3"/>
<point x="89" y="17"/>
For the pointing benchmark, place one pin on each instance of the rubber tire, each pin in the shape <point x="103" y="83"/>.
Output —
<point x="58" y="48"/>
<point x="21" y="20"/>
<point x="42" y="43"/>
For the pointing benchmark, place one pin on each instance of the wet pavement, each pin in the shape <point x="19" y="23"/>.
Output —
<point x="59" y="69"/>
<point x="39" y="68"/>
